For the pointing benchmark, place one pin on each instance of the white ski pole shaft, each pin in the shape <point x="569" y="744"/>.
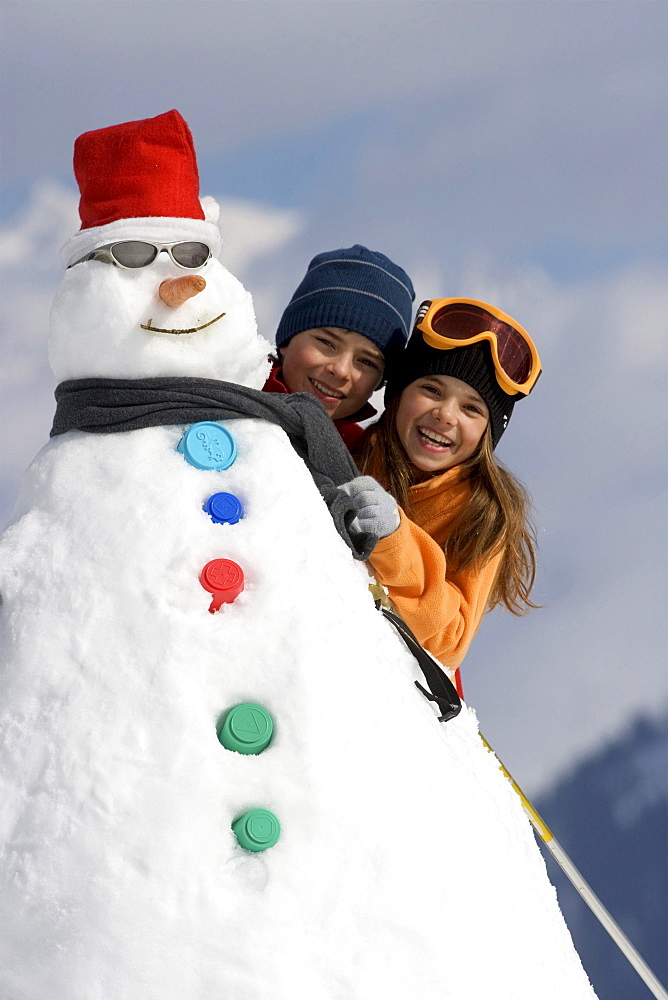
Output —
<point x="585" y="890"/>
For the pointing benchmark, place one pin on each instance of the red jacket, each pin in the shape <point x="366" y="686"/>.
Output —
<point x="347" y="427"/>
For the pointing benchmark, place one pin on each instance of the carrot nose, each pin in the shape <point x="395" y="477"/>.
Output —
<point x="175" y="291"/>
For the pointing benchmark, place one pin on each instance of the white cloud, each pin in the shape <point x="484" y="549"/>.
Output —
<point x="251" y="231"/>
<point x="47" y="220"/>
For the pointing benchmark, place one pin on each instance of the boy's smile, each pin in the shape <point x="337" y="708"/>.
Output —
<point x="326" y="392"/>
<point x="339" y="367"/>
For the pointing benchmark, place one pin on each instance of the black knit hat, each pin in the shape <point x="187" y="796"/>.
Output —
<point x="354" y="289"/>
<point x="473" y="365"/>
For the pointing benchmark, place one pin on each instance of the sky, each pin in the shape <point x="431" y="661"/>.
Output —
<point x="509" y="151"/>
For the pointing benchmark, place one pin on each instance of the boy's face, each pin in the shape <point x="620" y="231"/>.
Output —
<point x="338" y="367"/>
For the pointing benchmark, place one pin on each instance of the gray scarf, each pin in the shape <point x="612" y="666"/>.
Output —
<point x="109" y="405"/>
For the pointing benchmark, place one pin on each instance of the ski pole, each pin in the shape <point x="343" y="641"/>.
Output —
<point x="585" y="890"/>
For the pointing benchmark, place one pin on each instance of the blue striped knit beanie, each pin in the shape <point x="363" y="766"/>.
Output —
<point x="354" y="289"/>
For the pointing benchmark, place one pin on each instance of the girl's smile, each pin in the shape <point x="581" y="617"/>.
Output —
<point x="338" y="367"/>
<point x="440" y="422"/>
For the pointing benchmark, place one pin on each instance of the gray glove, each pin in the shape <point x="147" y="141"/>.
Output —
<point x="377" y="511"/>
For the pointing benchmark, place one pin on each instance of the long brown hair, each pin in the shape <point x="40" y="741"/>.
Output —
<point x="497" y="516"/>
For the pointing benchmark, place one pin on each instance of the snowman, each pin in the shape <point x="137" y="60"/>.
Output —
<point x="217" y="776"/>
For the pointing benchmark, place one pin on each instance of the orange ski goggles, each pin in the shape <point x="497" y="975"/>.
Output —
<point x="449" y="323"/>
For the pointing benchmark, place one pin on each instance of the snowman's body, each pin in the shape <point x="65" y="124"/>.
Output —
<point x="121" y="878"/>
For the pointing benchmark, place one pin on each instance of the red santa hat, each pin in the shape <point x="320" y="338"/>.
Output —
<point x="139" y="180"/>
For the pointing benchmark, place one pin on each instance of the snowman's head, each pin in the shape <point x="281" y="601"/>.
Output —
<point x="114" y="319"/>
<point x="158" y="307"/>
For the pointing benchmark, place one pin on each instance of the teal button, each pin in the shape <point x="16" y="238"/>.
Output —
<point x="257" y="830"/>
<point x="246" y="728"/>
<point x="207" y="445"/>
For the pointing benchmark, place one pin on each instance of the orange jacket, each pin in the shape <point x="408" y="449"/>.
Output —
<point x="442" y="607"/>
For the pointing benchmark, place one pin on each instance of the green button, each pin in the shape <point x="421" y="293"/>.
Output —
<point x="246" y="728"/>
<point x="257" y="830"/>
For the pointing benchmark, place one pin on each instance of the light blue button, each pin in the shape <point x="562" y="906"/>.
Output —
<point x="207" y="445"/>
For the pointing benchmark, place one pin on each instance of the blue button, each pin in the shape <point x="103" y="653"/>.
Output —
<point x="224" y="508"/>
<point x="207" y="445"/>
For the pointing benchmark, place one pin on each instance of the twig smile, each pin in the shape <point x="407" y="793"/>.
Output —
<point x="194" y="329"/>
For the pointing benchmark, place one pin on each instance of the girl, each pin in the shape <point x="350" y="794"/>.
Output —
<point x="351" y="311"/>
<point x="462" y="541"/>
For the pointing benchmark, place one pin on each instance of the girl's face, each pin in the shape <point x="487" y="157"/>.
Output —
<point x="440" y="422"/>
<point x="338" y="367"/>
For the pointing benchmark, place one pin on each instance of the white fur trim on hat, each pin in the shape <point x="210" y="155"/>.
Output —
<point x="210" y="207"/>
<point x="159" y="229"/>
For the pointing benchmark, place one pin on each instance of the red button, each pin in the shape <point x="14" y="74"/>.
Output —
<point x="224" y="579"/>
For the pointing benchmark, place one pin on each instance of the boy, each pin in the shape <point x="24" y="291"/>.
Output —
<point x="350" y="312"/>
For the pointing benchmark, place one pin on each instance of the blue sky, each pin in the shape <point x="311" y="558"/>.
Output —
<point x="509" y="151"/>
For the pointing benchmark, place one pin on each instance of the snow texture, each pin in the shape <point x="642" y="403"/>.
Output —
<point x="405" y="868"/>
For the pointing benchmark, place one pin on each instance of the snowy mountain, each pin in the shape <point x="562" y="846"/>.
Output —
<point x="611" y="816"/>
